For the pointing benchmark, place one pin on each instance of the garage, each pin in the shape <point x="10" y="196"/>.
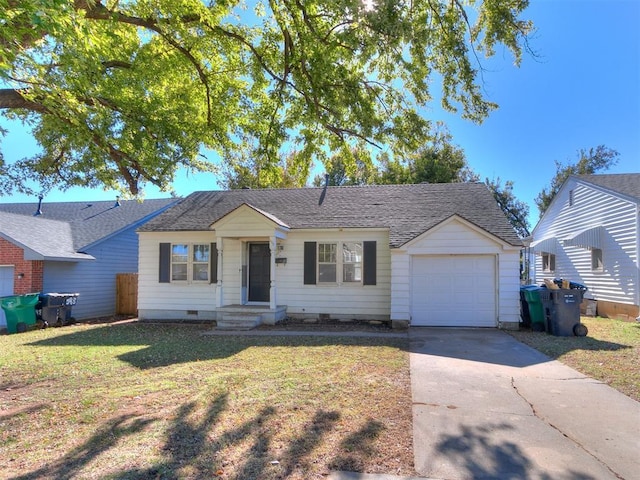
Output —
<point x="453" y="290"/>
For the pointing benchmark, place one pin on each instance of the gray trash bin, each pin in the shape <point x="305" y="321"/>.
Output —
<point x="563" y="310"/>
<point x="55" y="308"/>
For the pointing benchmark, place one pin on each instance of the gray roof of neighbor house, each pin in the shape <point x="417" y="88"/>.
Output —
<point x="406" y="210"/>
<point x="44" y="239"/>
<point x="67" y="228"/>
<point x="627" y="184"/>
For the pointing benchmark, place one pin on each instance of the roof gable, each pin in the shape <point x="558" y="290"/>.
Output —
<point x="249" y="220"/>
<point x="453" y="221"/>
<point x="406" y="211"/>
<point x="625" y="185"/>
<point x="245" y="207"/>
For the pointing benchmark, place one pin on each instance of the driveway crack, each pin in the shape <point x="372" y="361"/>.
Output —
<point x="557" y="429"/>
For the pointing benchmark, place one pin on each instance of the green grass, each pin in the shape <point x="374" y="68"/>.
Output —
<point x="162" y="401"/>
<point x="609" y="353"/>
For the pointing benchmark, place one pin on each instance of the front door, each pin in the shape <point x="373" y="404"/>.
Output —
<point x="259" y="272"/>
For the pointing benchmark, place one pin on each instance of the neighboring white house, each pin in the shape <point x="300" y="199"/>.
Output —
<point x="428" y="254"/>
<point x="589" y="234"/>
<point x="76" y="247"/>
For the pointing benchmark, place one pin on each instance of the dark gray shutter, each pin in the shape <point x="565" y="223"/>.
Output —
<point x="310" y="263"/>
<point x="369" y="263"/>
<point x="165" y="263"/>
<point x="213" y="252"/>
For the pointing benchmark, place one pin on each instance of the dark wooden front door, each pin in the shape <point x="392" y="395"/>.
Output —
<point x="259" y="272"/>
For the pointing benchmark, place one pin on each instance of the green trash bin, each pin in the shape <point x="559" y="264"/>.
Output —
<point x="20" y="311"/>
<point x="531" y="295"/>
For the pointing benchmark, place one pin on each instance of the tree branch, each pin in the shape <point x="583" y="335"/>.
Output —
<point x="13" y="99"/>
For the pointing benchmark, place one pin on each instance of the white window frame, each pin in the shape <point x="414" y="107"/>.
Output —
<point x="190" y="263"/>
<point x="548" y="262"/>
<point x="597" y="260"/>
<point x="340" y="262"/>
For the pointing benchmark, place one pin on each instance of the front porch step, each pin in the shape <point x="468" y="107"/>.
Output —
<point x="245" y="317"/>
<point x="238" y="321"/>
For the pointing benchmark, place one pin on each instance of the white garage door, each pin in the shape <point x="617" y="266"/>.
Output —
<point x="453" y="291"/>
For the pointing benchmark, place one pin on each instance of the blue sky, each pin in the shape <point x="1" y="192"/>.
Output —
<point x="582" y="90"/>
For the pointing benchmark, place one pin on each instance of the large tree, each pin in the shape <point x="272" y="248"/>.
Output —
<point x="515" y="210"/>
<point x="589" y="162"/>
<point x="437" y="161"/>
<point x="290" y="171"/>
<point x="123" y="93"/>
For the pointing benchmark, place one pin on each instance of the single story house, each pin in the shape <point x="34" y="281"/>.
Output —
<point x="71" y="247"/>
<point x="589" y="234"/>
<point x="428" y="254"/>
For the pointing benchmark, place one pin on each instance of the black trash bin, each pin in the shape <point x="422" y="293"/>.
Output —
<point x="562" y="311"/>
<point x="54" y="309"/>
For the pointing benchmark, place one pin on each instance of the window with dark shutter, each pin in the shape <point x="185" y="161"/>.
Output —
<point x="164" y="275"/>
<point x="309" y="263"/>
<point x="369" y="263"/>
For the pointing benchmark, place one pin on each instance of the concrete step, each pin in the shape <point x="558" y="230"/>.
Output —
<point x="238" y="321"/>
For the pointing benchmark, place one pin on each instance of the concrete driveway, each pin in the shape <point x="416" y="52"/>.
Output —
<point x="487" y="406"/>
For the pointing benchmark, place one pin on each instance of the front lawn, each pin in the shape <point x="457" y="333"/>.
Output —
<point x="137" y="401"/>
<point x="609" y="353"/>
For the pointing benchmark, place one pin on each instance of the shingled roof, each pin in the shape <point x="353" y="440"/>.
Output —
<point x="67" y="227"/>
<point x="627" y="184"/>
<point x="406" y="210"/>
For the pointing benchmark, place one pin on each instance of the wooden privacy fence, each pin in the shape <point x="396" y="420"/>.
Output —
<point x="126" y="294"/>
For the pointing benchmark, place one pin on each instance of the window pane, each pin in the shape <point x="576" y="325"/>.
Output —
<point x="179" y="252"/>
<point x="596" y="259"/>
<point x="201" y="272"/>
<point x="351" y="252"/>
<point x="548" y="262"/>
<point x="327" y="273"/>
<point x="351" y="272"/>
<point x="351" y="262"/>
<point x="327" y="252"/>
<point x="201" y="253"/>
<point x="179" y="271"/>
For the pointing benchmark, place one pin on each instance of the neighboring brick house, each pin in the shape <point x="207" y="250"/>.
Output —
<point x="71" y="247"/>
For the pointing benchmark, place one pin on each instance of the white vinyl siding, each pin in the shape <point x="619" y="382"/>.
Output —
<point x="617" y="280"/>
<point x="340" y="300"/>
<point x="179" y="296"/>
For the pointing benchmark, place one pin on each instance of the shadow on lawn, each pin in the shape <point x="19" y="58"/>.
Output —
<point x="192" y="450"/>
<point x="163" y="345"/>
